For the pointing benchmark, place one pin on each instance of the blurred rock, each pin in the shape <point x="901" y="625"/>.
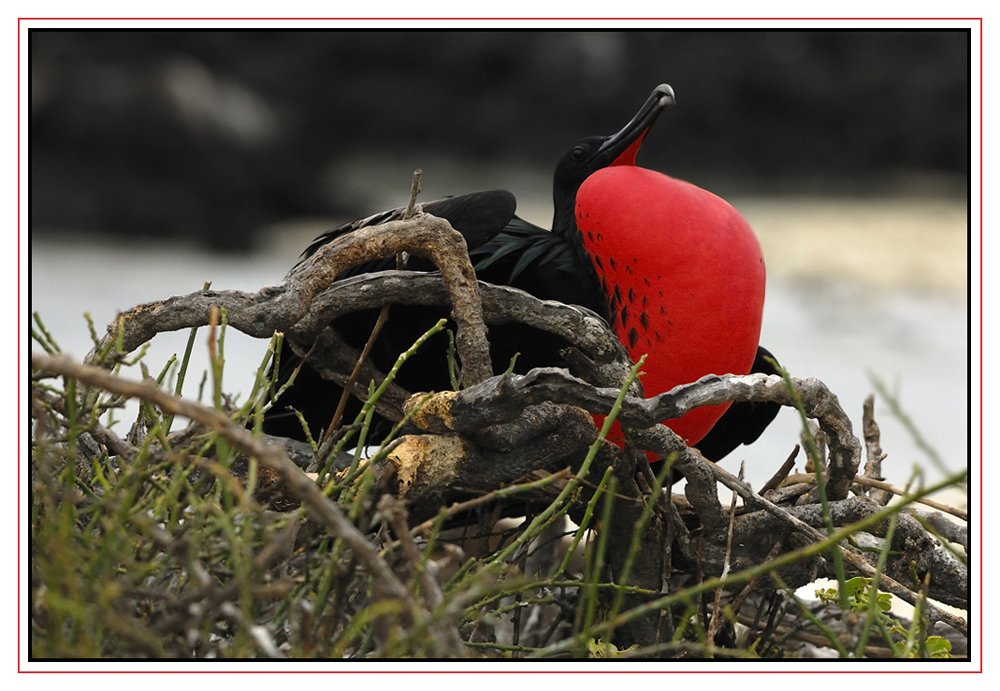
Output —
<point x="215" y="135"/>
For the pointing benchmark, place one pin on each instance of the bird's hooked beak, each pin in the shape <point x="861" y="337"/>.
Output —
<point x="625" y="143"/>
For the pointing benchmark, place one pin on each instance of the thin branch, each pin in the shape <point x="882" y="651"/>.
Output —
<point x="783" y="471"/>
<point x="324" y="510"/>
<point x="873" y="466"/>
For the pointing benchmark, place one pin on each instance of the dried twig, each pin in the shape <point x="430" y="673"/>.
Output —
<point x="326" y="511"/>
<point x="782" y="473"/>
<point x="873" y="466"/>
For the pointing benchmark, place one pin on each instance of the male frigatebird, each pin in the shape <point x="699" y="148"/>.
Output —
<point x="674" y="270"/>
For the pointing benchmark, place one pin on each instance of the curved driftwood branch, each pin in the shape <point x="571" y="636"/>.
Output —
<point x="602" y="354"/>
<point x="502" y="398"/>
<point x="279" y="308"/>
<point x="501" y="304"/>
<point x="423" y="236"/>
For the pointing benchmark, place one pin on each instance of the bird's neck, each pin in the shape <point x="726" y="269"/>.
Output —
<point x="591" y="293"/>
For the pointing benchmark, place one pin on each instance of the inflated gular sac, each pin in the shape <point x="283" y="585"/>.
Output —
<point x="684" y="277"/>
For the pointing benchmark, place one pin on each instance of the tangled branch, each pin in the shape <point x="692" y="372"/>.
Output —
<point x="462" y="448"/>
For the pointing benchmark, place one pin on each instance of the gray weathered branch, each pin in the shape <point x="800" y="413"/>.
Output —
<point x="502" y="398"/>
<point x="281" y="307"/>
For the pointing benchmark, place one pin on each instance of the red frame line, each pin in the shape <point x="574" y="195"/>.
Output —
<point x="20" y="421"/>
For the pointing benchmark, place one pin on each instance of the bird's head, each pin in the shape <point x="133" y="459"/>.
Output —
<point x="591" y="154"/>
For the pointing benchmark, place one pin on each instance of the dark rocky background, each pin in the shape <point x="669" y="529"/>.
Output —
<point x="214" y="135"/>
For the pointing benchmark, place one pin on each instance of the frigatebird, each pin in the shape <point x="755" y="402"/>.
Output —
<point x="674" y="270"/>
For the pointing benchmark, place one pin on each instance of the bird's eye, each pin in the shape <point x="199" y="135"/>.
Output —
<point x="578" y="153"/>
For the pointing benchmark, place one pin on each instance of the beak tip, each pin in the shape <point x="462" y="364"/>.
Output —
<point x="666" y="93"/>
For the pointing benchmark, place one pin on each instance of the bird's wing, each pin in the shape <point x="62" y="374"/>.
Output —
<point x="525" y="247"/>
<point x="330" y="235"/>
<point x="479" y="217"/>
